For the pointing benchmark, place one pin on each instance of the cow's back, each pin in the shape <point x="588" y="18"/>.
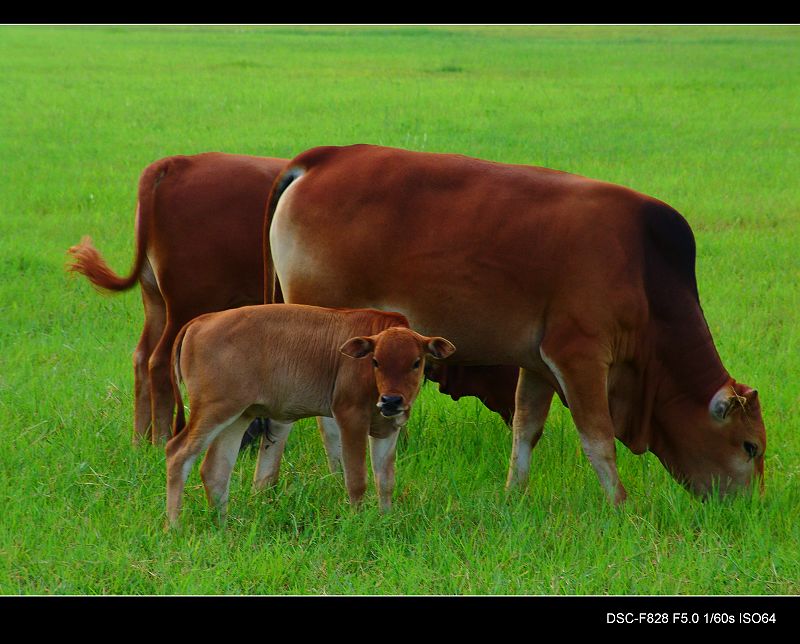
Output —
<point x="205" y="242"/>
<point x="480" y="252"/>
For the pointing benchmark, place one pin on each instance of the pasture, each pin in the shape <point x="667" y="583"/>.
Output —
<point x="704" y="118"/>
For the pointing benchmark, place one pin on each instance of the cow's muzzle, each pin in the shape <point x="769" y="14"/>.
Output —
<point x="391" y="406"/>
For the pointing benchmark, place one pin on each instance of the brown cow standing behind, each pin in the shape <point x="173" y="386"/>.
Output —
<point x="199" y="222"/>
<point x="285" y="361"/>
<point x="588" y="287"/>
<point x="199" y="226"/>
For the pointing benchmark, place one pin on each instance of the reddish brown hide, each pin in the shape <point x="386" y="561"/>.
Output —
<point x="199" y="221"/>
<point x="287" y="362"/>
<point x="588" y="287"/>
<point x="493" y="386"/>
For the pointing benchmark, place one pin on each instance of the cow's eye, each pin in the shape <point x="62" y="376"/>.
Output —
<point x="374" y="363"/>
<point x="416" y="363"/>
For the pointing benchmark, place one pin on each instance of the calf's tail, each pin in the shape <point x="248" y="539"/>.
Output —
<point x="175" y="376"/>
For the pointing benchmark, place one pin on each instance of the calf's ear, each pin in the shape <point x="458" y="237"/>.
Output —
<point x="358" y="347"/>
<point x="439" y="347"/>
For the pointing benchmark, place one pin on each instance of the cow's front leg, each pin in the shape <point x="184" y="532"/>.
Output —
<point x="382" y="447"/>
<point x="531" y="408"/>
<point x="584" y="379"/>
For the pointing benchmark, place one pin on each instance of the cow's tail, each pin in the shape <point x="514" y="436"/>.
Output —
<point x="175" y="375"/>
<point x="88" y="261"/>
<point x="272" y="287"/>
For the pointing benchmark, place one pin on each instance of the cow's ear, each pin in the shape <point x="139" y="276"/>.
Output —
<point x="723" y="403"/>
<point x="439" y="347"/>
<point x="358" y="347"/>
<point x="720" y="407"/>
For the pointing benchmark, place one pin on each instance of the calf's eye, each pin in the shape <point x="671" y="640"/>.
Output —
<point x="374" y="363"/>
<point x="416" y="363"/>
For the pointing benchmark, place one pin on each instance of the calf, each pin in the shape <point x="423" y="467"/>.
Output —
<point x="287" y="362"/>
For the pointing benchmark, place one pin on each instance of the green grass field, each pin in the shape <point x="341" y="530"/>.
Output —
<point x="704" y="118"/>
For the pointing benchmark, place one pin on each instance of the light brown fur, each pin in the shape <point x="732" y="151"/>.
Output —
<point x="288" y="362"/>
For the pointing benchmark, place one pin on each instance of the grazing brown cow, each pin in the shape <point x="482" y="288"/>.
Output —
<point x="588" y="287"/>
<point x="284" y="361"/>
<point x="199" y="222"/>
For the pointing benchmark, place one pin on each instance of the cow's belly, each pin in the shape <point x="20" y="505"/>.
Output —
<point x="484" y="324"/>
<point x="480" y="299"/>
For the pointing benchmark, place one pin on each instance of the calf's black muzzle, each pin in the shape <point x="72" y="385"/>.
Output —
<point x="390" y="405"/>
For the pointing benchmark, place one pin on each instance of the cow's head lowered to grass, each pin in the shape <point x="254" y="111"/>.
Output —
<point x="724" y="451"/>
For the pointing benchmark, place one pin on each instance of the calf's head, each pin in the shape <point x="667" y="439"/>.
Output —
<point x="398" y="363"/>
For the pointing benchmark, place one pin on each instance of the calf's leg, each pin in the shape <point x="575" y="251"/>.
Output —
<point x="354" y="423"/>
<point x="182" y="451"/>
<point x="218" y="465"/>
<point x="382" y="453"/>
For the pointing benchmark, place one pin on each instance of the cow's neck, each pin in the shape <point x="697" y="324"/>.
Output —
<point x="689" y="359"/>
<point x="679" y="367"/>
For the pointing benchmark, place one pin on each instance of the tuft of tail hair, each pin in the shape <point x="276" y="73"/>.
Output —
<point x="88" y="261"/>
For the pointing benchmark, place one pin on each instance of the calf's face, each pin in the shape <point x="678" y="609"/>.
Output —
<point x="398" y="363"/>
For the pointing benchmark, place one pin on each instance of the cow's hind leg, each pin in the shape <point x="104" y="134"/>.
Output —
<point x="270" y="453"/>
<point x="161" y="393"/>
<point x="532" y="405"/>
<point x="218" y="465"/>
<point x="584" y="380"/>
<point x="182" y="451"/>
<point x="155" y="314"/>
